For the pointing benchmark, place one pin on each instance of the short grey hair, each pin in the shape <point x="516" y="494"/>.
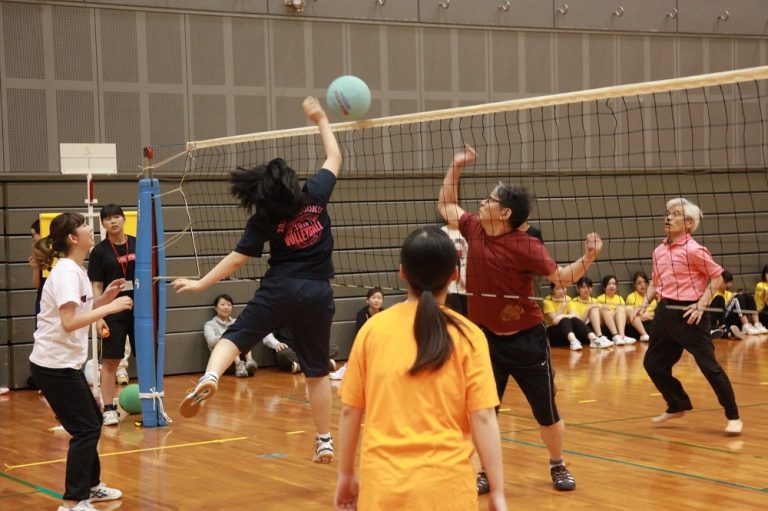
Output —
<point x="690" y="210"/>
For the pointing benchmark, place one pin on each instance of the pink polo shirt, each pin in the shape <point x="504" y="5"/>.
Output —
<point x="682" y="269"/>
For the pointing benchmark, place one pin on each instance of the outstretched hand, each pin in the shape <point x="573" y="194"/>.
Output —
<point x="593" y="245"/>
<point x="313" y="110"/>
<point x="693" y="313"/>
<point x="187" y="286"/>
<point x="114" y="288"/>
<point x="465" y="157"/>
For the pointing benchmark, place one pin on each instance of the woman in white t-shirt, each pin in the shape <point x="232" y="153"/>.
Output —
<point x="67" y="309"/>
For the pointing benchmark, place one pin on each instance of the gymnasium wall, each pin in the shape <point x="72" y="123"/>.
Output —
<point x="143" y="72"/>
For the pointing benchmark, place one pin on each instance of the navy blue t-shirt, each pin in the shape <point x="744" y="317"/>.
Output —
<point x="303" y="245"/>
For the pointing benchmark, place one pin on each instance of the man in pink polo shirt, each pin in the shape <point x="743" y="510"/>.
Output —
<point x="684" y="275"/>
<point x="502" y="259"/>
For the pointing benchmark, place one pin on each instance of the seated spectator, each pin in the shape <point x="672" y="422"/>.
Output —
<point x="373" y="305"/>
<point x="286" y="359"/>
<point x="564" y="327"/>
<point x="216" y="327"/>
<point x="374" y="300"/>
<point x="641" y="324"/>
<point x="761" y="297"/>
<point x="732" y="319"/>
<point x="586" y="308"/>
<point x="613" y="312"/>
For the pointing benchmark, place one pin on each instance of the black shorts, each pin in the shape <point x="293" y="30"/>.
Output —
<point x="304" y="307"/>
<point x="525" y="356"/>
<point x="120" y="326"/>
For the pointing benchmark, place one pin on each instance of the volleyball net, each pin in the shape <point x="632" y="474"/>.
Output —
<point x="603" y="160"/>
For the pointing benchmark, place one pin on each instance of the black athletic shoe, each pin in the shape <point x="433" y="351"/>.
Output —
<point x="562" y="478"/>
<point x="717" y="333"/>
<point x="482" y="484"/>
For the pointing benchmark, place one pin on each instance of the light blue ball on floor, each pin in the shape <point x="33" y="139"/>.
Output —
<point x="348" y="98"/>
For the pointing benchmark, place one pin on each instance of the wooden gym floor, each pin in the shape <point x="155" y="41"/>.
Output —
<point x="251" y="446"/>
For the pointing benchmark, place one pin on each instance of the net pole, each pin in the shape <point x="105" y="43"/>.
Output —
<point x="144" y="317"/>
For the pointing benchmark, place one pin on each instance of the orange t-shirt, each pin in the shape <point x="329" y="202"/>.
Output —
<point x="416" y="444"/>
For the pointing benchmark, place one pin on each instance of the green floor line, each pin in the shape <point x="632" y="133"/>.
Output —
<point x="700" y="410"/>
<point x="20" y="494"/>
<point x="46" y="491"/>
<point x="647" y="467"/>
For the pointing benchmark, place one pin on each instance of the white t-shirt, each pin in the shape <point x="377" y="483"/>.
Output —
<point x="55" y="348"/>
<point x="462" y="248"/>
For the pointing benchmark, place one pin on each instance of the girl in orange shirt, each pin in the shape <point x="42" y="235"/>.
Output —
<point x="423" y="375"/>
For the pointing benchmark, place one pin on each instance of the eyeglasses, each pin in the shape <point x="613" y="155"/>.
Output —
<point x="490" y="198"/>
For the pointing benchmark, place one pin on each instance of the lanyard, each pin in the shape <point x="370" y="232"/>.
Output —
<point x="123" y="265"/>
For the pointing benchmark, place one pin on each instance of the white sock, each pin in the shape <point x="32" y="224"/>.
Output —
<point x="212" y="374"/>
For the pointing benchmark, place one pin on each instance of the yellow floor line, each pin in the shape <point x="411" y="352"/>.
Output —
<point x="132" y="451"/>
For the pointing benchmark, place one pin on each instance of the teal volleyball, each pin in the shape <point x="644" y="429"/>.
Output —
<point x="129" y="399"/>
<point x="348" y="98"/>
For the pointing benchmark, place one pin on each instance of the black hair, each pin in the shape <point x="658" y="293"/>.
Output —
<point x="764" y="273"/>
<point x="225" y="296"/>
<point x="272" y="190"/>
<point x="535" y="232"/>
<point x="584" y="280"/>
<point x="518" y="200"/>
<point x="55" y="244"/>
<point x="373" y="291"/>
<point x="429" y="259"/>
<point x="607" y="279"/>
<point x="111" y="210"/>
<point x="639" y="274"/>
<point x="35" y="226"/>
<point x="727" y="276"/>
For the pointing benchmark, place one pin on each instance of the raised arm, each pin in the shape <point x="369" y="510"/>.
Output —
<point x="316" y="114"/>
<point x="448" y="204"/>
<point x="226" y="267"/>
<point x="567" y="275"/>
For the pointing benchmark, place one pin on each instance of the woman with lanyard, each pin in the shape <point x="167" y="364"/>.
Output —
<point x="113" y="258"/>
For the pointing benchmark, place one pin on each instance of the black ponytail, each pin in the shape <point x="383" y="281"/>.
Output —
<point x="272" y="190"/>
<point x="429" y="260"/>
<point x="55" y="245"/>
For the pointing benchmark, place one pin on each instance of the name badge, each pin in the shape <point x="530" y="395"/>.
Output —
<point x="128" y="286"/>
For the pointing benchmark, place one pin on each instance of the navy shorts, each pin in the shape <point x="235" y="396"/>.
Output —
<point x="304" y="307"/>
<point x="525" y="356"/>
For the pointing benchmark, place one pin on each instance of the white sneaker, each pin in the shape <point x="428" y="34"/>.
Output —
<point x="600" y="342"/>
<point x="734" y="427"/>
<point x="121" y="376"/>
<point x="240" y="370"/>
<point x="618" y="340"/>
<point x="629" y="340"/>
<point x="111" y="418"/>
<point x="83" y="505"/>
<point x="644" y="338"/>
<point x="323" y="451"/>
<point x="102" y="493"/>
<point x="760" y="328"/>
<point x="575" y="345"/>
<point x="205" y="388"/>
<point x="338" y="375"/>
<point x="664" y="417"/>
<point x="737" y="334"/>
<point x="750" y="330"/>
